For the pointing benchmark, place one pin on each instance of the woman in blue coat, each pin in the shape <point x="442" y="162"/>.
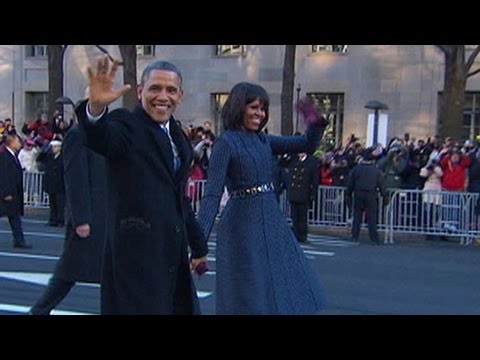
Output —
<point x="261" y="269"/>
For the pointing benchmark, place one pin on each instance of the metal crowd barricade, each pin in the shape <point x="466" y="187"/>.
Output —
<point x="435" y="213"/>
<point x="34" y="195"/>
<point x="418" y="212"/>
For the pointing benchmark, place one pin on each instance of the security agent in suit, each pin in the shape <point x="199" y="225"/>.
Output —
<point x="301" y="192"/>
<point x="146" y="267"/>
<point x="11" y="189"/>
<point x="86" y="210"/>
<point x="365" y="181"/>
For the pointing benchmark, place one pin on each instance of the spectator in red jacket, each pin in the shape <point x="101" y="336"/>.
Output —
<point x="454" y="165"/>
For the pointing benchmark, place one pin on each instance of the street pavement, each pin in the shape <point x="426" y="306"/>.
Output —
<point x="410" y="277"/>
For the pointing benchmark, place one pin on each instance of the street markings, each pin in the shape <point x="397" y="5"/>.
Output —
<point x="19" y="309"/>
<point x="39" y="234"/>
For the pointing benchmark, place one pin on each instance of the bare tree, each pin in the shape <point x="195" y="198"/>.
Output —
<point x="287" y="90"/>
<point x="55" y="54"/>
<point x="457" y="71"/>
<point x="129" y="63"/>
<point x="129" y="59"/>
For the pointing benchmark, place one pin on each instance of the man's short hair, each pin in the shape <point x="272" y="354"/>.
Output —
<point x="160" y="65"/>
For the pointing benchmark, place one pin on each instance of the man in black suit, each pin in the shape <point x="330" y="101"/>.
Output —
<point x="150" y="222"/>
<point x="11" y="189"/>
<point x="86" y="209"/>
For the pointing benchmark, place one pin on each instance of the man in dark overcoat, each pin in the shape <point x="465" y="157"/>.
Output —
<point x="86" y="211"/>
<point x="11" y="189"/>
<point x="365" y="183"/>
<point x="147" y="269"/>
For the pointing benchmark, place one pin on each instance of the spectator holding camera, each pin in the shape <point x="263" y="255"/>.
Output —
<point x="42" y="128"/>
<point x="432" y="173"/>
<point x="203" y="149"/>
<point x="9" y="127"/>
<point x="454" y="165"/>
<point x="393" y="166"/>
<point x="60" y="126"/>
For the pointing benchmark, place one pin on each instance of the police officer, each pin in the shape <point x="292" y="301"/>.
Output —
<point x="365" y="181"/>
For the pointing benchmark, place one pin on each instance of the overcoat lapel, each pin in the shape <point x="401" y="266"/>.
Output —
<point x="160" y="138"/>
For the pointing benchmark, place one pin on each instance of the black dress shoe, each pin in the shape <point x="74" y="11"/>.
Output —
<point x="22" y="245"/>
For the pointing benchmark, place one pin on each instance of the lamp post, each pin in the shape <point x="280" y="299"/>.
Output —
<point x="376" y="106"/>
<point x="299" y="88"/>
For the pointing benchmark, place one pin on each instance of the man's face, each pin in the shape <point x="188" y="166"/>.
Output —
<point x="16" y="144"/>
<point x="160" y="94"/>
<point x="56" y="149"/>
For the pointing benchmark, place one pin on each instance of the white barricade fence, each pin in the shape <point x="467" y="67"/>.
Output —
<point x="419" y="212"/>
<point x="436" y="213"/>
<point x="34" y="195"/>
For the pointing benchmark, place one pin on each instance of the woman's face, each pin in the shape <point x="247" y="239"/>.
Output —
<point x="254" y="115"/>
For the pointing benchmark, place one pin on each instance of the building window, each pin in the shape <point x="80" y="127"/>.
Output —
<point x="329" y="48"/>
<point x="231" y="50"/>
<point x="332" y="104"/>
<point x="145" y="50"/>
<point x="218" y="101"/>
<point x="36" y="50"/>
<point x="471" y="115"/>
<point x="36" y="103"/>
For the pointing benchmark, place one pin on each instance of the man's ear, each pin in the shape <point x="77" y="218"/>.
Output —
<point x="181" y="96"/>
<point x="139" y="92"/>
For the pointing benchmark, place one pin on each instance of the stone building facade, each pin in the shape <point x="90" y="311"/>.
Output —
<point x="342" y="78"/>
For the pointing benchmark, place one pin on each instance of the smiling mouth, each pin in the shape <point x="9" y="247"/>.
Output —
<point x="162" y="107"/>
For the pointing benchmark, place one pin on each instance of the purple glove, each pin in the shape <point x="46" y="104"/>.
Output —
<point x="310" y="114"/>
<point x="201" y="269"/>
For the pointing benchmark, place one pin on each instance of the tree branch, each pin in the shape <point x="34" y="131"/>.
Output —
<point x="443" y="48"/>
<point x="471" y="58"/>
<point x="473" y="73"/>
<point x="105" y="51"/>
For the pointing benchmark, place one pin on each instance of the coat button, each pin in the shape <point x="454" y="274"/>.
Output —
<point x="171" y="269"/>
<point x="177" y="229"/>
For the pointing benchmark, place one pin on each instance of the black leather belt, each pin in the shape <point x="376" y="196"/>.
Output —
<point x="252" y="191"/>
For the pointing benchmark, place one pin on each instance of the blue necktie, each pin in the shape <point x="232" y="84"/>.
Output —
<point x="176" y="158"/>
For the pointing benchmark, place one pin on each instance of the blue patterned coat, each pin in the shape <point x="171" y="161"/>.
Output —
<point x="261" y="269"/>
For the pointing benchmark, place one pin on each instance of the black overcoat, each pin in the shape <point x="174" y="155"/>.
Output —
<point x="11" y="183"/>
<point x="146" y="265"/>
<point x="86" y="203"/>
